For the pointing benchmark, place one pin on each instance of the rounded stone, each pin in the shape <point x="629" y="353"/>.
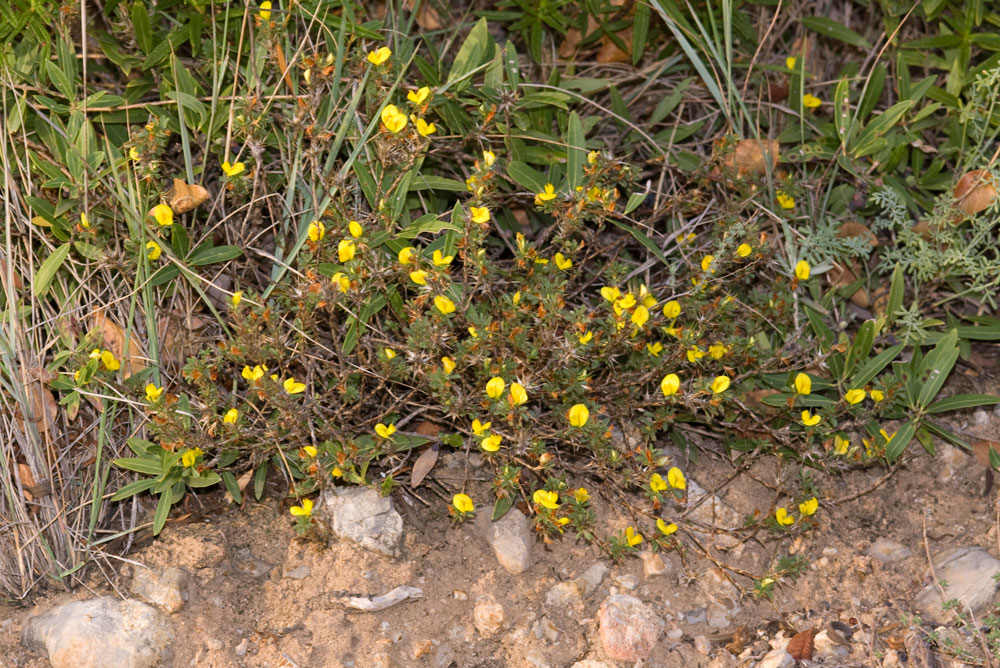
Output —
<point x="629" y="628"/>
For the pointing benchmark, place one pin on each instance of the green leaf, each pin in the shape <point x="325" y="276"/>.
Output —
<point x="526" y="176"/>
<point x="141" y="26"/>
<point x="430" y="182"/>
<point x="634" y="200"/>
<point x="212" y="254"/>
<point x="868" y="138"/>
<point x="895" y="293"/>
<point x="874" y="366"/>
<point x="938" y="365"/>
<point x="426" y="224"/>
<point x="860" y="348"/>
<point x="232" y="486"/>
<point x="162" y="511"/>
<point x="836" y="30"/>
<point x="502" y="505"/>
<point x="471" y="54"/>
<point x="259" y="478"/>
<point x="48" y="270"/>
<point x="959" y="401"/>
<point x="140" y="465"/>
<point x="641" y="237"/>
<point x="206" y="479"/>
<point x="133" y="488"/>
<point x="899" y="441"/>
<point x="640" y="30"/>
<point x="576" y="151"/>
<point x="60" y="80"/>
<point x="820" y="329"/>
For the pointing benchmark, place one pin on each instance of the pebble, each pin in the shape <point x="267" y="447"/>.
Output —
<point x="776" y="658"/>
<point x="968" y="572"/>
<point x="421" y="648"/>
<point x="511" y="540"/>
<point x="652" y="563"/>
<point x="300" y="572"/>
<point x="592" y="578"/>
<point x="488" y="616"/>
<point x="534" y="658"/>
<point x="445" y="656"/>
<point x="572" y="592"/>
<point x="591" y="663"/>
<point x="702" y="645"/>
<point x="630" y="582"/>
<point x="364" y="516"/>
<point x="889" y="551"/>
<point x="696" y="616"/>
<point x="100" y="632"/>
<point x="166" y="589"/>
<point x="628" y="627"/>
<point x="460" y="595"/>
<point x="827" y="650"/>
<point x="243" y="647"/>
<point x="675" y="634"/>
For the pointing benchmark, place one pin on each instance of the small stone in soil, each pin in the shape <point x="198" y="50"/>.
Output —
<point x="511" y="540"/>
<point x="628" y="627"/>
<point x="776" y="658"/>
<point x="969" y="573"/>
<point x="889" y="551"/>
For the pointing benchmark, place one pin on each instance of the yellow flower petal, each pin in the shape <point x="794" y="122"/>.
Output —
<point x="665" y="529"/>
<point x="578" y="414"/>
<point x="784" y="519"/>
<point x="810" y="101"/>
<point x="495" y="387"/>
<point x="854" y="396"/>
<point x="802" y="270"/>
<point x="233" y="169"/>
<point x="407" y="255"/>
<point x="163" y="214"/>
<point x="676" y="478"/>
<point x="444" y="305"/>
<point x="785" y="201"/>
<point x="418" y="96"/>
<point x="546" y="499"/>
<point x="670" y="384"/>
<point x="744" y="250"/>
<point x="803" y="383"/>
<point x="672" y="309"/>
<point x="231" y="416"/>
<point x="491" y="443"/>
<point x="293" y="387"/>
<point x="153" y="250"/>
<point x="379" y="55"/>
<point x="518" y="395"/>
<point x="720" y="384"/>
<point x="462" y="503"/>
<point x="809" y="507"/>
<point x="346" y="250"/>
<point x="480" y="214"/>
<point x="810" y="420"/>
<point x="316" y="231"/>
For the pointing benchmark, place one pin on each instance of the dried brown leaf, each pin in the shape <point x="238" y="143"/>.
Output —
<point x="424" y="464"/>
<point x="751" y="157"/>
<point x="852" y="229"/>
<point x="114" y="340"/>
<point x="242" y="483"/>
<point x="427" y="17"/>
<point x="975" y="191"/>
<point x="801" y="645"/>
<point x="183" y="197"/>
<point x="981" y="450"/>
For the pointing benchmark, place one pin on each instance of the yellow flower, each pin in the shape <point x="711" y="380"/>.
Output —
<point x="886" y="435"/>
<point x="516" y="299"/>
<point x="646" y="297"/>
<point x="393" y="120"/>
<point x="489" y="157"/>
<point x="293" y="387"/>
<point x="518" y="395"/>
<point x="665" y="529"/>
<point x="134" y="154"/>
<point x="785" y="201"/>
<point x="878" y="395"/>
<point x="379" y="55"/>
<point x="809" y="507"/>
<point x="305" y="510"/>
<point x="153" y="392"/>
<point x="418" y="96"/>
<point x="840" y="445"/>
<point x="440" y="259"/>
<point x="716" y="351"/>
<point x="803" y="384"/>
<point x="95" y="354"/>
<point x="444" y="304"/>
<point x="581" y="495"/>
<point x="610" y="294"/>
<point x="310" y="450"/>
<point x="385" y="431"/>
<point x="336" y="472"/>
<point x="342" y="282"/>
<point x="548" y="193"/>
<point x="672" y="309"/>
<point x="237" y="298"/>
<point x="355" y="229"/>
<point x="790" y="62"/>
<point x="592" y="157"/>
<point x="265" y="12"/>
<point x="316" y="231"/>
<point x="562" y="262"/>
<point x="109" y="361"/>
<point x="231" y="416"/>
<point x="802" y="270"/>
<point x="163" y="214"/>
<point x="491" y="443"/>
<point x="744" y="250"/>
<point x="657" y="483"/>
<point x="307" y="75"/>
<point x="419" y="277"/>
<point x="233" y="169"/>
<point x="84" y="223"/>
<point x="474" y="333"/>
<point x="694" y="354"/>
<point x="685" y="239"/>
<point x="546" y="499"/>
<point x="632" y="537"/>
<point x="578" y="414"/>
<point x="448" y="364"/>
<point x="810" y="101"/>
<point x="854" y="396"/>
<point x="424" y="128"/>
<point x="389" y="353"/>
<point x="254" y="374"/>
<point x="640" y="315"/>
<point x="495" y="387"/>
<point x="585" y="338"/>
<point x="784" y="519"/>
<point x="676" y="478"/>
<point x="706" y="263"/>
<point x="654" y="348"/>
<point x="480" y="428"/>
<point x="626" y="302"/>
<point x="720" y="384"/>
<point x="407" y="255"/>
<point x="480" y="214"/>
<point x="346" y="250"/>
<point x="670" y="384"/>
<point x="190" y="457"/>
<point x="810" y="420"/>
<point x="462" y="503"/>
<point x="153" y="250"/>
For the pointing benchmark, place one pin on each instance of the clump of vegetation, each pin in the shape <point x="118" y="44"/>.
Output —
<point x="310" y="246"/>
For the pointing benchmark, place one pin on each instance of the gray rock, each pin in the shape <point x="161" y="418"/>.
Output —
<point x="702" y="646"/>
<point x="488" y="616"/>
<point x="101" y="632"/>
<point x="776" y="658"/>
<point x="300" y="572"/>
<point x="629" y="582"/>
<point x="826" y="649"/>
<point x="889" y="551"/>
<point x="629" y="628"/>
<point x="534" y="658"/>
<point x="695" y="616"/>
<point x="969" y="573"/>
<point x="364" y="516"/>
<point x="167" y="589"/>
<point x="511" y="540"/>
<point x="592" y="578"/>
<point x="652" y="563"/>
<point x="563" y="595"/>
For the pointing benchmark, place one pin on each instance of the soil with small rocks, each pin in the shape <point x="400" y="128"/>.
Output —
<point x="241" y="589"/>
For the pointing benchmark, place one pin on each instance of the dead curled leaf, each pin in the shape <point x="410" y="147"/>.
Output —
<point x="183" y="197"/>
<point x="113" y="338"/>
<point x="750" y="157"/>
<point x="975" y="191"/>
<point x="801" y="645"/>
<point x="427" y="17"/>
<point x="424" y="464"/>
<point x="981" y="450"/>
